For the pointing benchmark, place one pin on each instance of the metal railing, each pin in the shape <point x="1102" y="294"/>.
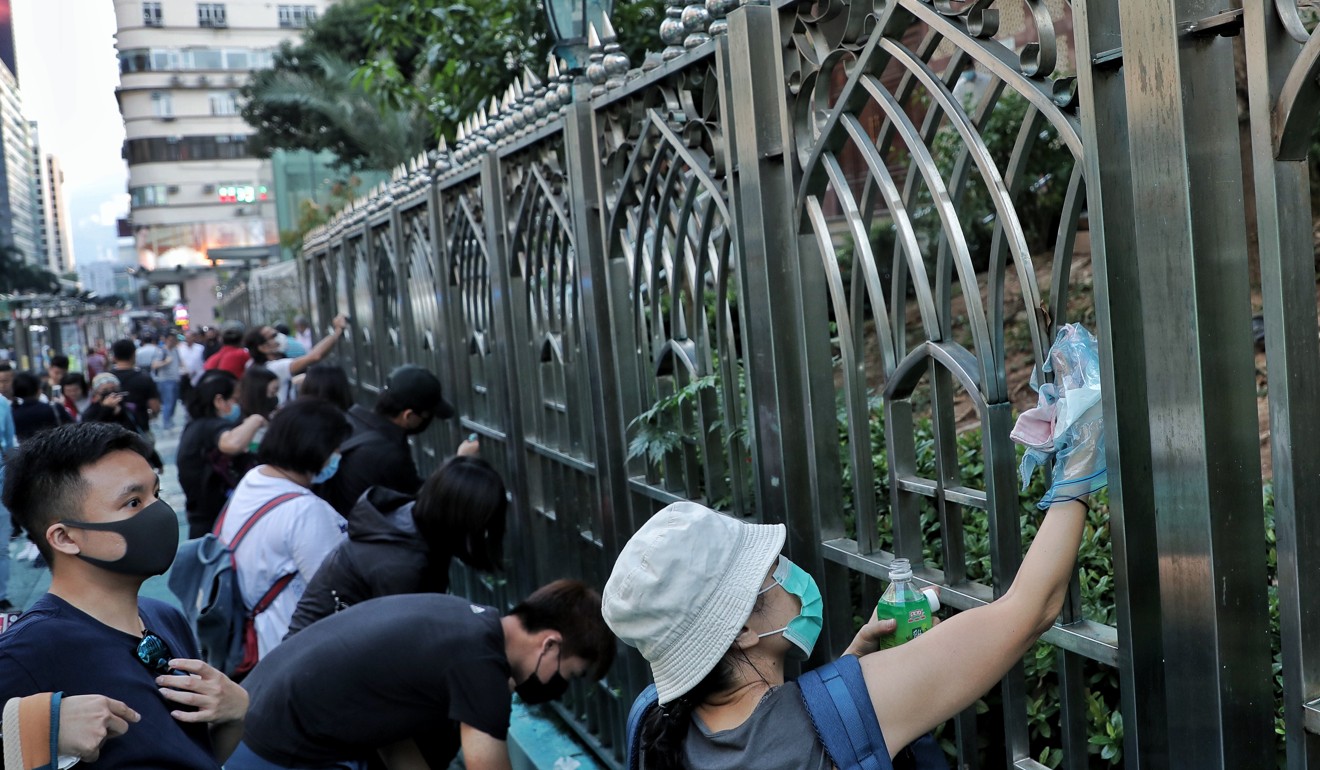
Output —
<point x="694" y="252"/>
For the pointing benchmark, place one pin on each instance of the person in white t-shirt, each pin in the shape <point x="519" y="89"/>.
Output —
<point x="302" y="331"/>
<point x="192" y="357"/>
<point x="263" y="344"/>
<point x="295" y="534"/>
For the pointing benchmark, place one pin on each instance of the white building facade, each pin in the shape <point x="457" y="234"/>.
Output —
<point x="193" y="184"/>
<point x="55" y="215"/>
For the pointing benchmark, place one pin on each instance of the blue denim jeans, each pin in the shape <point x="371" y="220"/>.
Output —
<point x="169" y="396"/>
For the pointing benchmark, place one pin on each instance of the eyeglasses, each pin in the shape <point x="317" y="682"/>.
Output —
<point x="154" y="653"/>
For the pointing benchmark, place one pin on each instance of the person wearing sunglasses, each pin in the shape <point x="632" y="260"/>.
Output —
<point x="90" y="499"/>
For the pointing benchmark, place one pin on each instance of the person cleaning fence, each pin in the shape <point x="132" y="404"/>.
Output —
<point x="717" y="611"/>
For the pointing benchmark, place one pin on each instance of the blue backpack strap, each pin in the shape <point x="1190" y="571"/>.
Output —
<point x="840" y="708"/>
<point x="644" y="703"/>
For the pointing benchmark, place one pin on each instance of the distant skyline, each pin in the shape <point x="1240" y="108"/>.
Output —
<point x="68" y="73"/>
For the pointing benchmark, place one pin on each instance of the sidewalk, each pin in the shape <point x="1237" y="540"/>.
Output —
<point x="28" y="582"/>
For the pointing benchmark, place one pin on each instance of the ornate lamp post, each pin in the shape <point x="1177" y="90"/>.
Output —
<point x="568" y="23"/>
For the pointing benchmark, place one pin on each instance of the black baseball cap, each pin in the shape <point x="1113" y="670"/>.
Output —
<point x="419" y="390"/>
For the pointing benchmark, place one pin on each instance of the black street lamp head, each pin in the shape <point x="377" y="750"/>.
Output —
<point x="568" y="23"/>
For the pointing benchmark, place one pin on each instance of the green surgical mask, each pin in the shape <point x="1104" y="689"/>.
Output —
<point x="803" y="630"/>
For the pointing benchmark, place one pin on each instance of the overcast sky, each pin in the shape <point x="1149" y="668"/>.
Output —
<point x="68" y="72"/>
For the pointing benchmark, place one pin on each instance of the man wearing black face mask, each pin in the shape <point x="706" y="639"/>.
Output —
<point x="414" y="676"/>
<point x="377" y="453"/>
<point x="87" y="494"/>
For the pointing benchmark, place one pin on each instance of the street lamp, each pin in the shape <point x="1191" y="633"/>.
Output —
<point x="568" y="23"/>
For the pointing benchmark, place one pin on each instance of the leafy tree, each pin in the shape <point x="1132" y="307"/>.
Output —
<point x="318" y="107"/>
<point x="307" y="100"/>
<point x="377" y="81"/>
<point x="452" y="58"/>
<point x="18" y="276"/>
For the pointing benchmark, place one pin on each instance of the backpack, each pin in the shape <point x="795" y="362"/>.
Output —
<point x="205" y="580"/>
<point x="840" y="709"/>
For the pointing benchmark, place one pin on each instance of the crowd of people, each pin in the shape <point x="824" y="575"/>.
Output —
<point x="353" y="653"/>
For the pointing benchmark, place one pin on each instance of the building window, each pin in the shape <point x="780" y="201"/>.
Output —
<point x="183" y="148"/>
<point x="204" y="59"/>
<point x="224" y="103"/>
<point x="297" y="16"/>
<point x="150" y="195"/>
<point x="211" y="15"/>
<point x="163" y="102"/>
<point x="151" y="15"/>
<point x="174" y="60"/>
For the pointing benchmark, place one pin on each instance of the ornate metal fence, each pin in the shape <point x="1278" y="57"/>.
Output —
<point x="782" y="271"/>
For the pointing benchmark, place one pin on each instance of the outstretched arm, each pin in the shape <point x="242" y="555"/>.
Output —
<point x="321" y="349"/>
<point x="962" y="658"/>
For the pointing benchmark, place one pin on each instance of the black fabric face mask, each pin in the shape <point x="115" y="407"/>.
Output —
<point x="534" y="691"/>
<point x="426" y="423"/>
<point x="151" y="538"/>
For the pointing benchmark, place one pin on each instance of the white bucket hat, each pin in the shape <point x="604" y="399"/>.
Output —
<point x="683" y="588"/>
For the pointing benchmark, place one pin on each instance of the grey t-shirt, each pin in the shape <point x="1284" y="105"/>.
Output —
<point x="777" y="736"/>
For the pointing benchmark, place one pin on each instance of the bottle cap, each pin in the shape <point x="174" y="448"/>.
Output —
<point x="900" y="569"/>
<point x="932" y="597"/>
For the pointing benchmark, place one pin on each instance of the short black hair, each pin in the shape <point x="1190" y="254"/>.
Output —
<point x="328" y="383"/>
<point x="75" y="378"/>
<point x="43" y="476"/>
<point x="216" y="382"/>
<point x="390" y="405"/>
<point x="26" y="385"/>
<point x="231" y="336"/>
<point x="5" y="366"/>
<point x="572" y="608"/>
<point x="461" y="511"/>
<point x="59" y="362"/>
<point x="280" y="327"/>
<point x="123" y="350"/>
<point x="302" y="436"/>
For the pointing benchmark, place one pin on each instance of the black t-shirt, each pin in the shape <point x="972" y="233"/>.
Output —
<point x="57" y="647"/>
<point x="33" y="416"/>
<point x="204" y="489"/>
<point x="386" y="670"/>
<point x="141" y="389"/>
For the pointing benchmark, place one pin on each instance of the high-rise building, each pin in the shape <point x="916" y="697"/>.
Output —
<point x="20" y="221"/>
<point x="55" y="216"/>
<point x="193" y="184"/>
<point x="38" y="194"/>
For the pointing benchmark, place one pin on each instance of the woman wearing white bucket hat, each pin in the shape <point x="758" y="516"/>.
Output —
<point x="716" y="610"/>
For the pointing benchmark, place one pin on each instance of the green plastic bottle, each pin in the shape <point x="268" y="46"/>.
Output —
<point x="910" y="609"/>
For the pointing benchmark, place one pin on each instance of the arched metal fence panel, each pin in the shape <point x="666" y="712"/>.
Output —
<point x="805" y="271"/>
